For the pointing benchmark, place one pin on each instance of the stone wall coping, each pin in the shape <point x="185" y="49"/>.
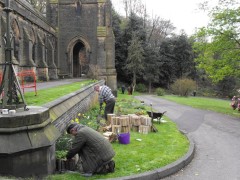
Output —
<point x="35" y="115"/>
<point x="23" y="128"/>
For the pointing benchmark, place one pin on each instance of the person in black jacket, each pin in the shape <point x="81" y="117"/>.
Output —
<point x="94" y="151"/>
<point x="123" y="89"/>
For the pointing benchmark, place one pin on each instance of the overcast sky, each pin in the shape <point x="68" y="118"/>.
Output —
<point x="184" y="14"/>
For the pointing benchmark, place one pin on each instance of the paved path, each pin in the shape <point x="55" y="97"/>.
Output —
<point x="216" y="136"/>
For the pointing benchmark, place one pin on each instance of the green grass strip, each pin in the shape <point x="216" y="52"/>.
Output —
<point x="50" y="94"/>
<point x="216" y="105"/>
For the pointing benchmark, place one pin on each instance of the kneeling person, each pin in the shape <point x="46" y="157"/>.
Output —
<point x="95" y="152"/>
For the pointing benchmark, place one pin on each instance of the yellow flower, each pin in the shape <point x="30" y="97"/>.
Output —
<point x="76" y="120"/>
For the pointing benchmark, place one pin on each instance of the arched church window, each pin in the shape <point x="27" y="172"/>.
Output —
<point x="32" y="35"/>
<point x="33" y="52"/>
<point x="16" y="39"/>
<point x="78" y="5"/>
<point x="45" y="46"/>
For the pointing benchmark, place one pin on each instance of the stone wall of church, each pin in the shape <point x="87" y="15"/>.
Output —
<point x="49" y="45"/>
<point x="34" y="40"/>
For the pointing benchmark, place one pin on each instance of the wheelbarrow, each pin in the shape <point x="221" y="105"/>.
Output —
<point x="156" y="115"/>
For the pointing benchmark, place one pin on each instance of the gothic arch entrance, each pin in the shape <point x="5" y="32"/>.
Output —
<point x="79" y="57"/>
<point x="80" y="61"/>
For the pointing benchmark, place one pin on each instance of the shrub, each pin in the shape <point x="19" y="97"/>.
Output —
<point x="64" y="142"/>
<point x="61" y="154"/>
<point x="183" y="87"/>
<point x="141" y="88"/>
<point x="160" y="91"/>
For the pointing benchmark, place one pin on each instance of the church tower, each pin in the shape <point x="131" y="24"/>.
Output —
<point x="86" y="43"/>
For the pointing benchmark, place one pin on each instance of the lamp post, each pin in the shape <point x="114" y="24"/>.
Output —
<point x="12" y="96"/>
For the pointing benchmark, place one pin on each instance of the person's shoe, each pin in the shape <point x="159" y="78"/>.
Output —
<point x="111" y="166"/>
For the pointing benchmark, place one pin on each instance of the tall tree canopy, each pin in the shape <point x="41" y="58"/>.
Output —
<point x="218" y="45"/>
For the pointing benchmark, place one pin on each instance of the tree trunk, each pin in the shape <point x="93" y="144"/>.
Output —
<point x="149" y="87"/>
<point x="134" y="81"/>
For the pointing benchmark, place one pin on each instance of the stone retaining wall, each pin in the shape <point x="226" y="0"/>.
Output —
<point x="66" y="108"/>
<point x="28" y="138"/>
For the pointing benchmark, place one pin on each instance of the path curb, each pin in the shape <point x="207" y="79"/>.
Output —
<point x="166" y="170"/>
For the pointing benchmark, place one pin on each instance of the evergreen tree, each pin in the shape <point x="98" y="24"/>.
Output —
<point x="135" y="58"/>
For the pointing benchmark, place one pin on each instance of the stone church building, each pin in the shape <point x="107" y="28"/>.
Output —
<point x="73" y="39"/>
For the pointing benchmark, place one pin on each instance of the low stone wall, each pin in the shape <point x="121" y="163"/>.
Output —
<point x="28" y="138"/>
<point x="66" y="108"/>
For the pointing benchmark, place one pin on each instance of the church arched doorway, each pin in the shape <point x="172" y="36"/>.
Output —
<point x="80" y="60"/>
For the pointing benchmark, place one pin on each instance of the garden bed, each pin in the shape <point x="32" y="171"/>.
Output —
<point x="156" y="148"/>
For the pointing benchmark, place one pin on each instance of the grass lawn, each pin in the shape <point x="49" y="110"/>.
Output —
<point x="217" y="105"/>
<point x="155" y="150"/>
<point x="47" y="95"/>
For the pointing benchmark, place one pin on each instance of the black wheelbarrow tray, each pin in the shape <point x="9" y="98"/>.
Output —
<point x="156" y="115"/>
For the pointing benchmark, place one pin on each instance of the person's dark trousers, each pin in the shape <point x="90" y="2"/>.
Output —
<point x="123" y="90"/>
<point x="109" y="108"/>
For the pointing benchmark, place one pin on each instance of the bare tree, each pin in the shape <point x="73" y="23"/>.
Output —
<point x="158" y="30"/>
<point x="134" y="6"/>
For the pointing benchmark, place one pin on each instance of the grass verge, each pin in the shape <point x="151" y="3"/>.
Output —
<point x="47" y="95"/>
<point x="216" y="105"/>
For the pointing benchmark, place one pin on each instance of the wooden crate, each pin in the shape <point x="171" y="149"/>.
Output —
<point x="136" y="120"/>
<point x="115" y="120"/>
<point x="116" y="129"/>
<point x="135" y="128"/>
<point x="109" y="118"/>
<point x="144" y="129"/>
<point x="125" y="124"/>
<point x="146" y="120"/>
<point x="125" y="129"/>
<point x="124" y="120"/>
<point x="110" y="136"/>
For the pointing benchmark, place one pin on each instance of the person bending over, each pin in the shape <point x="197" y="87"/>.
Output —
<point x="94" y="151"/>
<point x="106" y="96"/>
